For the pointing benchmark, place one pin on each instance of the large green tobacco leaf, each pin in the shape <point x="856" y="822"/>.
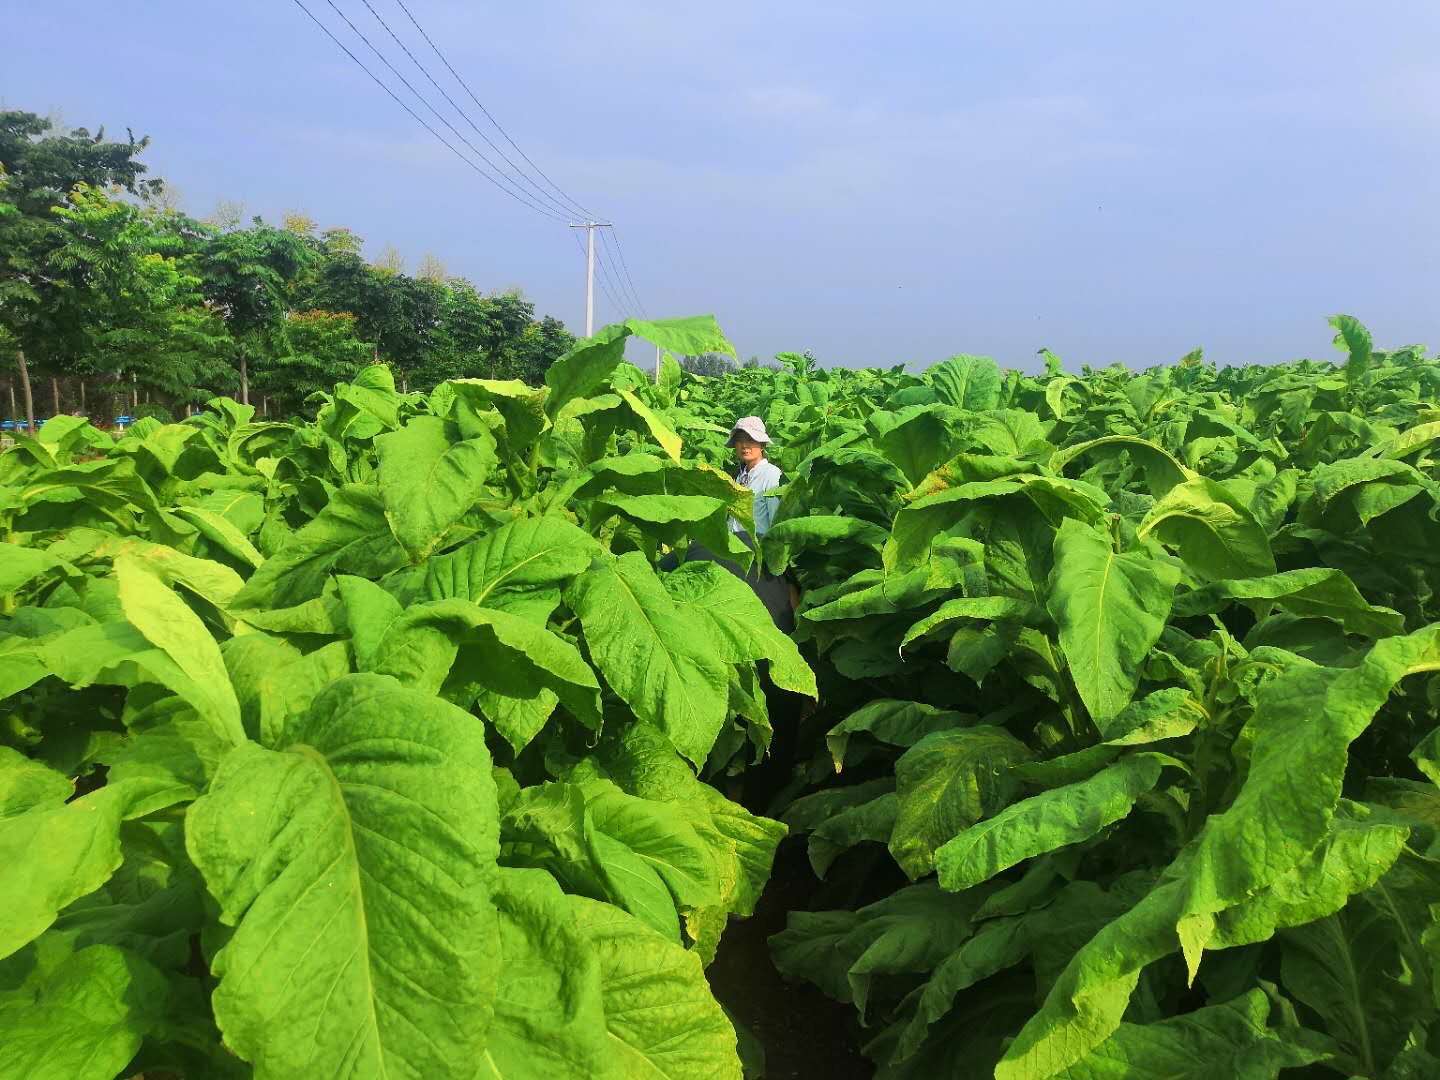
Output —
<point x="1364" y="969"/>
<point x="662" y="432"/>
<point x="741" y="626"/>
<point x="169" y="624"/>
<point x="924" y="437"/>
<point x="945" y="783"/>
<point x="351" y="535"/>
<point x="83" y="1020"/>
<point x="114" y="653"/>
<point x="598" y="840"/>
<point x="987" y="608"/>
<point x="1303" y="725"/>
<point x="969" y="382"/>
<point x="1088" y="1001"/>
<point x="1044" y="822"/>
<point x="1163" y="714"/>
<point x="1162" y="471"/>
<point x="887" y="720"/>
<point x="275" y="682"/>
<point x="661" y="660"/>
<point x="1346" y="968"/>
<point x="1352" y="336"/>
<point x="428" y="480"/>
<point x="513" y="657"/>
<point x="1355" y="491"/>
<point x="744" y="845"/>
<point x="828" y="533"/>
<point x="1230" y="1040"/>
<point x="222" y="532"/>
<point x="1110" y="608"/>
<point x="550" y="827"/>
<point x="21" y="565"/>
<point x="1316" y="591"/>
<point x="660" y="1016"/>
<point x="52" y="852"/>
<point x="204" y="578"/>
<point x="643" y="763"/>
<point x="1213" y="531"/>
<point x="868" y="821"/>
<point x="671" y="848"/>
<point x="549" y="1010"/>
<point x="842" y="952"/>
<point x="522" y="406"/>
<point x="520" y="567"/>
<point x="166" y="763"/>
<point x="589" y="365"/>
<point x="355" y="868"/>
<point x="919" y="522"/>
<point x="997" y="945"/>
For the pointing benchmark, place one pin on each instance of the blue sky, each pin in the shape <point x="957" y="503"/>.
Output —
<point x="876" y="182"/>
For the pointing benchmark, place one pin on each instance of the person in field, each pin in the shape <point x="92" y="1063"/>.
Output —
<point x="749" y="439"/>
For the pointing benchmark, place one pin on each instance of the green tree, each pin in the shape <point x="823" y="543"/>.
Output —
<point x="246" y="274"/>
<point x="323" y="349"/>
<point x="708" y="364"/>
<point x="44" y="309"/>
<point x="539" y="346"/>
<point x="143" y="315"/>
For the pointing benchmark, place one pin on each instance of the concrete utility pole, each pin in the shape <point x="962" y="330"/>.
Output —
<point x="657" y="363"/>
<point x="590" y="227"/>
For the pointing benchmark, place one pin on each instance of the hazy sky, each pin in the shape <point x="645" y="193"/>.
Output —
<point x="876" y="182"/>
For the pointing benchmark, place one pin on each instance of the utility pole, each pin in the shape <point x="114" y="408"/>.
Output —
<point x="590" y="227"/>
<point x="657" y="363"/>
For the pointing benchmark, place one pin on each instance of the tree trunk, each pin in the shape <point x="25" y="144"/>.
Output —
<point x="244" y="381"/>
<point x="11" y="413"/>
<point x="265" y="405"/>
<point x="134" y="394"/>
<point x="82" y="395"/>
<point x="55" y="395"/>
<point x="25" y="391"/>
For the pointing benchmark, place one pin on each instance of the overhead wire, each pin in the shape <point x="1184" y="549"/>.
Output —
<point x="601" y="279"/>
<point x="396" y="98"/>
<point x="507" y="185"/>
<point x="612" y="269"/>
<point x="486" y="113"/>
<point x="620" y="281"/>
<point x="518" y="173"/>
<point x="615" y="233"/>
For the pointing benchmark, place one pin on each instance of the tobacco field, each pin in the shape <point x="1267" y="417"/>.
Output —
<point x="387" y="742"/>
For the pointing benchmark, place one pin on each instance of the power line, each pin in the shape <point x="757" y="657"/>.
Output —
<point x="608" y="262"/>
<point x="503" y="182"/>
<point x="622" y="281"/>
<point x="584" y="213"/>
<point x="394" y="97"/>
<point x="519" y="174"/>
<point x="604" y="284"/>
<point x="621" y="252"/>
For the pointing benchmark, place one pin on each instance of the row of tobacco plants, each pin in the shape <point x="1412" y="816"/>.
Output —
<point x="1127" y="754"/>
<point x="384" y="744"/>
<point x="372" y="746"/>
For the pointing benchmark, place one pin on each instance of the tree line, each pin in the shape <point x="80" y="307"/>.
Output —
<point x="109" y="294"/>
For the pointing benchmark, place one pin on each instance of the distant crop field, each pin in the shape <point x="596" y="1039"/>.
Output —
<point x="443" y="733"/>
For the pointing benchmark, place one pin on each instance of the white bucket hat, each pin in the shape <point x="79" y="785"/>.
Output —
<point x="749" y="425"/>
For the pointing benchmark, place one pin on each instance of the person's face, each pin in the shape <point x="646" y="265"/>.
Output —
<point x="747" y="451"/>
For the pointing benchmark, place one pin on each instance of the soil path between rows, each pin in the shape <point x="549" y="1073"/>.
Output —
<point x="805" y="1034"/>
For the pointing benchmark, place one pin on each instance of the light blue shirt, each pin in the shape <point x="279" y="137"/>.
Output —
<point x="765" y="476"/>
